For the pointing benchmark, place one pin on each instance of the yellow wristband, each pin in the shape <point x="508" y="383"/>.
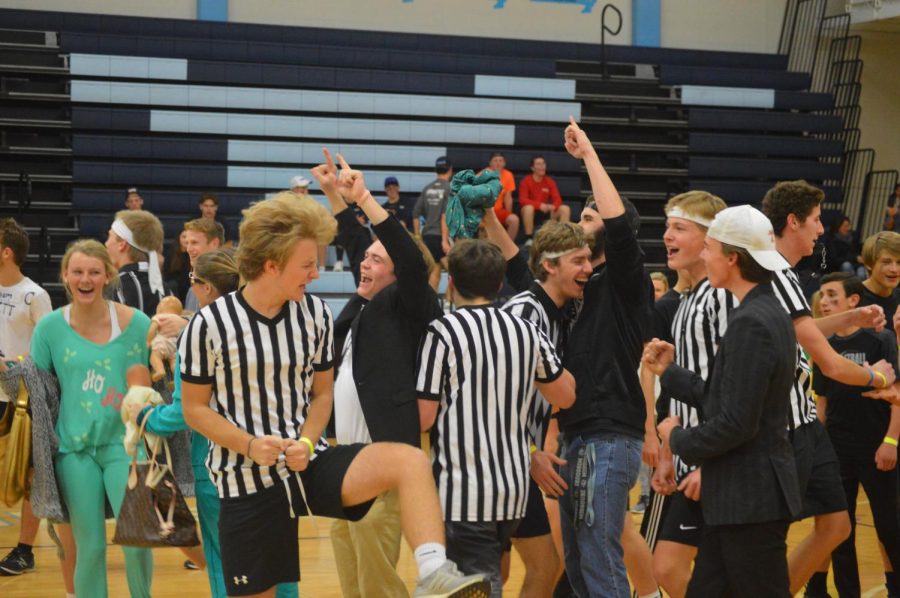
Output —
<point x="883" y="379"/>
<point x="309" y="444"/>
<point x="890" y="441"/>
<point x="532" y="449"/>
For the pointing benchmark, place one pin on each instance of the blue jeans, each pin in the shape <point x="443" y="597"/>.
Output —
<point x="600" y="470"/>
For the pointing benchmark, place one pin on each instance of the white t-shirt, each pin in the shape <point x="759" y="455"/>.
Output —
<point x="349" y="422"/>
<point x="21" y="306"/>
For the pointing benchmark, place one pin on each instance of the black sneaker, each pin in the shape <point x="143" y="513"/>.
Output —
<point x="191" y="565"/>
<point x="17" y="562"/>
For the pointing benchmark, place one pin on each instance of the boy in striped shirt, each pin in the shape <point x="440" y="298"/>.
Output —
<point x="478" y="369"/>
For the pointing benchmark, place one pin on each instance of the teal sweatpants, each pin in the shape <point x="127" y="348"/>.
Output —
<point x="84" y="479"/>
<point x="208" y="508"/>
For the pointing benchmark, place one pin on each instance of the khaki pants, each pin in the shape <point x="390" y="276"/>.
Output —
<point x="366" y="552"/>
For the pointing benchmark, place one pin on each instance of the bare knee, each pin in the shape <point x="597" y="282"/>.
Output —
<point x="834" y="528"/>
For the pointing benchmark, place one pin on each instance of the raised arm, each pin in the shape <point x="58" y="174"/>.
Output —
<point x="609" y="204"/>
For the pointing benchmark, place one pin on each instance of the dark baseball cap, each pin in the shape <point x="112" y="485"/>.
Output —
<point x="391" y="180"/>
<point x="443" y="163"/>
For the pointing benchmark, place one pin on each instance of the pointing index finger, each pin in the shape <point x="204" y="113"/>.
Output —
<point x="328" y="160"/>
<point x="344" y="165"/>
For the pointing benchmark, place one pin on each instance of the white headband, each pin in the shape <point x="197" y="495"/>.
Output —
<point x="552" y="255"/>
<point x="156" y="282"/>
<point x="677" y="212"/>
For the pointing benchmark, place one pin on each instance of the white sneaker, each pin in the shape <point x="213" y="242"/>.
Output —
<point x="448" y="582"/>
<point x="338" y="267"/>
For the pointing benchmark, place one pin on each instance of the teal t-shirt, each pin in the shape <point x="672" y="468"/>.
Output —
<point x="91" y="378"/>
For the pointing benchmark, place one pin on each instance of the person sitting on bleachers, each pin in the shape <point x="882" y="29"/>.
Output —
<point x="842" y="247"/>
<point x="539" y="199"/>
<point x="394" y="205"/>
<point x="504" y="207"/>
<point x="134" y="243"/>
<point x="133" y="200"/>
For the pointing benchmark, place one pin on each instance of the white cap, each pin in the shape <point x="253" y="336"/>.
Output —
<point x="748" y="228"/>
<point x="299" y="181"/>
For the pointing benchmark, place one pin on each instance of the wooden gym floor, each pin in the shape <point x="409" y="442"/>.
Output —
<point x="171" y="580"/>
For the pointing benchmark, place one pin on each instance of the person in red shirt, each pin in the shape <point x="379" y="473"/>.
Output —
<point x="504" y="206"/>
<point x="539" y="199"/>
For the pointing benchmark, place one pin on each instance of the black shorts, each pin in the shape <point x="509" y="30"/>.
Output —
<point x="535" y="522"/>
<point x="682" y="522"/>
<point x="258" y="535"/>
<point x="435" y="246"/>
<point x="476" y="547"/>
<point x="818" y="471"/>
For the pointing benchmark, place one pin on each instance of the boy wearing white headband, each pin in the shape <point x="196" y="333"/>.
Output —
<point x="134" y="242"/>
<point x="750" y="487"/>
<point x="696" y="330"/>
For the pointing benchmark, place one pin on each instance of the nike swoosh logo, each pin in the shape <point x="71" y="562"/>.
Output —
<point x="685" y="528"/>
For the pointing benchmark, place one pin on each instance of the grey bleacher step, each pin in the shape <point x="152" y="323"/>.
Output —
<point x="37" y="97"/>
<point x="641" y="147"/>
<point x="638" y="122"/>
<point x="650" y="171"/>
<point x="24" y="68"/>
<point x="341" y="283"/>
<point x="38" y="178"/>
<point x="634" y="99"/>
<point x="39" y="151"/>
<point x="35" y="122"/>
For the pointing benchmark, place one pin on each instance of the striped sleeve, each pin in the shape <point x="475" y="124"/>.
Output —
<point x="432" y="367"/>
<point x="324" y="359"/>
<point x="198" y="357"/>
<point x="787" y="288"/>
<point x="548" y="367"/>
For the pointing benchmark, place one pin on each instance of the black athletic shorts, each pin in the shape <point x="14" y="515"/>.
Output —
<point x="435" y="246"/>
<point x="258" y="534"/>
<point x="818" y="471"/>
<point x="535" y="522"/>
<point x="682" y="522"/>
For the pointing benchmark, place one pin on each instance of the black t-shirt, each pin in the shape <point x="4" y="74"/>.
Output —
<point x="853" y="420"/>
<point x="401" y="210"/>
<point x="888" y="304"/>
<point x="664" y="313"/>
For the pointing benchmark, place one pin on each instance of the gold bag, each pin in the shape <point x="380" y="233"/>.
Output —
<point x="16" y="458"/>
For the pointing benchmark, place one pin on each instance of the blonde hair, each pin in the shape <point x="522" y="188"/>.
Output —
<point x="554" y="237"/>
<point x="220" y="269"/>
<point x="662" y="278"/>
<point x="207" y="226"/>
<point x="293" y="196"/>
<point x="146" y="230"/>
<point x="271" y="228"/>
<point x="886" y="240"/>
<point x="697" y="203"/>
<point x="93" y="249"/>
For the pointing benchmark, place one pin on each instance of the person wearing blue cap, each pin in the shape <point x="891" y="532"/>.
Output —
<point x="401" y="210"/>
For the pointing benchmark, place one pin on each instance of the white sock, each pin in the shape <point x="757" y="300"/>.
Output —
<point x="429" y="558"/>
<point x="655" y="594"/>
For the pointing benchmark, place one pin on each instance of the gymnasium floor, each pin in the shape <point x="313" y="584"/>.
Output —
<point x="170" y="580"/>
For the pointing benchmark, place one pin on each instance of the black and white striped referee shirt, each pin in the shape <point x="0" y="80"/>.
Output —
<point x="481" y="364"/>
<point x="803" y="406"/>
<point x="697" y="329"/>
<point x="261" y="371"/>
<point x="535" y="306"/>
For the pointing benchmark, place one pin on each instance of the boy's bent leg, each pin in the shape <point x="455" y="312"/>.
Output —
<point x="376" y="539"/>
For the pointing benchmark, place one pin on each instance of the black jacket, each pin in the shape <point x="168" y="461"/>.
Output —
<point x="605" y="344"/>
<point x="749" y="473"/>
<point x="387" y="333"/>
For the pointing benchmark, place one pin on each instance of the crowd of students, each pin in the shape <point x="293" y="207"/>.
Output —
<point x="538" y="415"/>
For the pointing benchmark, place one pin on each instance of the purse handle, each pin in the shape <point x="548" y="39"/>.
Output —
<point x="155" y="474"/>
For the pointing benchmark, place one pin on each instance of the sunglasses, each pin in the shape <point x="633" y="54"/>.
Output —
<point x="196" y="279"/>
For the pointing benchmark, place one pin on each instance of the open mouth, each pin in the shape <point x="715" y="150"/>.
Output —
<point x="581" y="282"/>
<point x="671" y="252"/>
<point x="364" y="278"/>
<point x="85" y="292"/>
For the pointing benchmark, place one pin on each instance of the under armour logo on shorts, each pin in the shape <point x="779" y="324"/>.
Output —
<point x="240" y="580"/>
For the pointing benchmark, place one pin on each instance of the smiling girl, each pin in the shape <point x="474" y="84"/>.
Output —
<point x="89" y="344"/>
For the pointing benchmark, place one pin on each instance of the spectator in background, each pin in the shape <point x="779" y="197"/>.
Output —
<point x="178" y="266"/>
<point x="504" y="207"/>
<point x="890" y="211"/>
<point x="430" y="206"/>
<point x="395" y="205"/>
<point x="842" y="247"/>
<point x="209" y="206"/>
<point x="660" y="285"/>
<point x="202" y="236"/>
<point x="133" y="200"/>
<point x="133" y="242"/>
<point x="539" y="199"/>
<point x="300" y="185"/>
